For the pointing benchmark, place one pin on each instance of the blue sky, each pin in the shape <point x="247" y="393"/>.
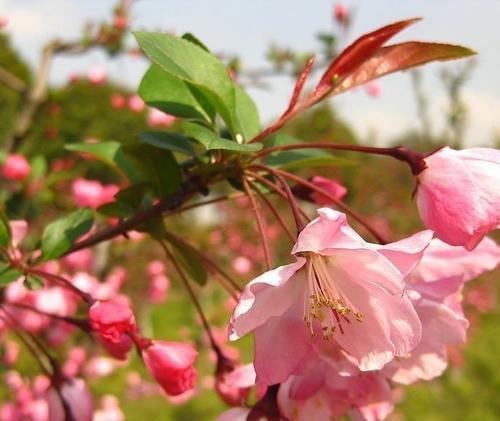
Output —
<point x="247" y="28"/>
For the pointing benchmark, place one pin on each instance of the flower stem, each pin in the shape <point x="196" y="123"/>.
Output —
<point x="260" y="223"/>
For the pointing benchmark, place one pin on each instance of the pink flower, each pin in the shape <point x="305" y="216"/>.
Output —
<point x="79" y="260"/>
<point x="233" y="386"/>
<point x="120" y="349"/>
<point x="435" y="286"/>
<point x="111" y="320"/>
<point x="324" y="394"/>
<point x="4" y="21"/>
<point x="120" y="22"/>
<point x="92" y="193"/>
<point x="158" y="288"/>
<point x="342" y="291"/>
<point x="333" y="187"/>
<point x="16" y="168"/>
<point x="458" y="195"/>
<point x="97" y="75"/>
<point x="172" y="365"/>
<point x="110" y="410"/>
<point x="157" y="118"/>
<point x="234" y="414"/>
<point x="136" y="104"/>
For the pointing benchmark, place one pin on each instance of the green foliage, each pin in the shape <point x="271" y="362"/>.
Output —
<point x="205" y="76"/>
<point x="211" y="140"/>
<point x="10" y="100"/>
<point x="174" y="142"/>
<point x="60" y="235"/>
<point x="4" y="230"/>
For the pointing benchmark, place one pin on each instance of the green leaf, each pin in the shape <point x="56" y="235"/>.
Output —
<point x="191" y="63"/>
<point x="115" y="209"/>
<point x="60" y="235"/>
<point x="170" y="94"/>
<point x="157" y="166"/>
<point x="112" y="154"/>
<point x="8" y="274"/>
<point x="246" y="114"/>
<point x="189" y="259"/>
<point x="5" y="232"/>
<point x="188" y="36"/>
<point x="38" y="167"/>
<point x="33" y="283"/>
<point x="211" y="140"/>
<point x="174" y="142"/>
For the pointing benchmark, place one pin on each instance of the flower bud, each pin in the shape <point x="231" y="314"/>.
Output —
<point x="111" y="320"/>
<point x="172" y="365"/>
<point x="16" y="168"/>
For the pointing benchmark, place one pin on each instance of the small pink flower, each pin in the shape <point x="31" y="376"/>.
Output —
<point x="332" y="186"/>
<point x="157" y="118"/>
<point x="342" y="291"/>
<point x="233" y="386"/>
<point x="158" y="288"/>
<point x="4" y="21"/>
<point x="79" y="260"/>
<point x="136" y="104"/>
<point x="458" y="195"/>
<point x="155" y="268"/>
<point x="324" y="394"/>
<point x="373" y="88"/>
<point x="16" y="168"/>
<point x="172" y="365"/>
<point x="97" y="75"/>
<point x="118" y="101"/>
<point x="111" y="320"/>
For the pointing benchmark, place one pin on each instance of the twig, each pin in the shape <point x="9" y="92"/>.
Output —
<point x="260" y="223"/>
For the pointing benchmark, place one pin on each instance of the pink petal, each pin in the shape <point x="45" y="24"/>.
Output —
<point x="441" y="260"/>
<point x="268" y="295"/>
<point x="282" y="348"/>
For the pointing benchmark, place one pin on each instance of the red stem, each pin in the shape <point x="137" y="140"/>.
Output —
<point x="260" y="223"/>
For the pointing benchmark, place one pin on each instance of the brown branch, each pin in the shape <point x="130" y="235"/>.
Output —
<point x="12" y="81"/>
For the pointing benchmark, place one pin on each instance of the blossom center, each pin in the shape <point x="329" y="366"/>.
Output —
<point x="325" y="301"/>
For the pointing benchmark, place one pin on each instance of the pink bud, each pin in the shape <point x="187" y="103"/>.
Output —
<point x="158" y="288"/>
<point x="16" y="168"/>
<point x="111" y="320"/>
<point x="120" y="22"/>
<point x="155" y="267"/>
<point x="340" y="13"/>
<point x="242" y="265"/>
<point x="4" y="21"/>
<point x="97" y="75"/>
<point x="172" y="365"/>
<point x="120" y="349"/>
<point x="337" y="190"/>
<point x="118" y="101"/>
<point x="136" y="104"/>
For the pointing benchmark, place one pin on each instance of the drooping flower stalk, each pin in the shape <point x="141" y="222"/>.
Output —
<point x="260" y="223"/>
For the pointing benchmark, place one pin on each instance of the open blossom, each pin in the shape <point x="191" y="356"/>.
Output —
<point x="78" y="398"/>
<point x="342" y="291"/>
<point x="435" y="287"/>
<point x="458" y="195"/>
<point x="172" y="365"/>
<point x="16" y="168"/>
<point x="324" y="394"/>
<point x="111" y="320"/>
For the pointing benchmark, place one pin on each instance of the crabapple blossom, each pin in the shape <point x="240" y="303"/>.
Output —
<point x="324" y="393"/>
<point x="16" y="168"/>
<point x="78" y="398"/>
<point x="92" y="193"/>
<point x="458" y="195"/>
<point x="342" y="291"/>
<point x="118" y="101"/>
<point x="340" y="13"/>
<point x="172" y="365"/>
<point x="373" y="88"/>
<point x="157" y="118"/>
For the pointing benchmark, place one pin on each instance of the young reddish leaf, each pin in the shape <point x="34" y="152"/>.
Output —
<point x="299" y="85"/>
<point x="400" y="57"/>
<point x="358" y="52"/>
